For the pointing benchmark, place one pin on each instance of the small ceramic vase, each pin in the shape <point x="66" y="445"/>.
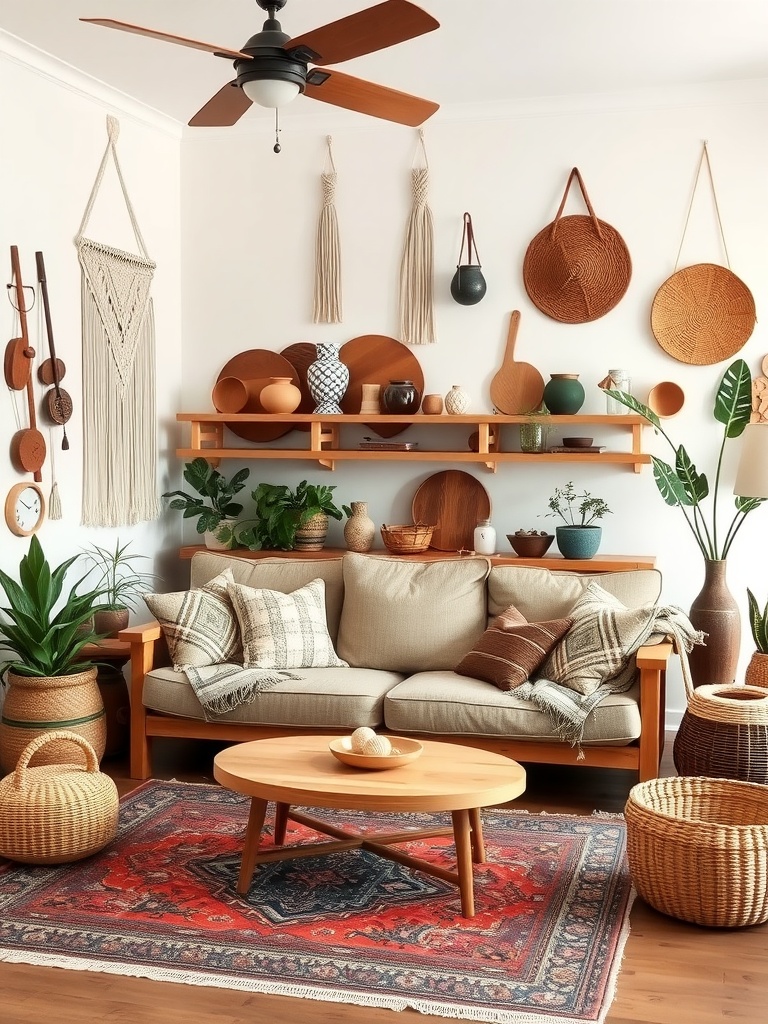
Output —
<point x="359" y="529"/>
<point x="432" y="405"/>
<point x="563" y="394"/>
<point x="327" y="379"/>
<point x="456" y="401"/>
<point x="280" y="395"/>
<point x="370" y="404"/>
<point x="401" y="398"/>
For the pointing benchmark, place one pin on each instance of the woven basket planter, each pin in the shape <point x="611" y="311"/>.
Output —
<point x="724" y="734"/>
<point x="56" y="813"/>
<point x="698" y="849"/>
<point x="757" y="670"/>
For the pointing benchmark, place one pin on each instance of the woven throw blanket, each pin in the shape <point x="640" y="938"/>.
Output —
<point x="222" y="688"/>
<point x="569" y="709"/>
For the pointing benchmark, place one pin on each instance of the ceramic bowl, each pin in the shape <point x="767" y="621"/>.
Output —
<point x="530" y="546"/>
<point x="577" y="442"/>
<point x="666" y="399"/>
<point x="404" y="751"/>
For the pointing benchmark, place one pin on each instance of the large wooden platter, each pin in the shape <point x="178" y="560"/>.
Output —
<point x="257" y="365"/>
<point x="455" y="501"/>
<point x="301" y="355"/>
<point x="377" y="359"/>
<point x="516" y="387"/>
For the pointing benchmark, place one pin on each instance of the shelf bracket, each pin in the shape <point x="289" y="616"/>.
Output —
<point x="207" y="435"/>
<point x="323" y="437"/>
<point x="487" y="442"/>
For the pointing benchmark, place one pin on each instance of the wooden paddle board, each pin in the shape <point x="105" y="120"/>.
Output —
<point x="258" y="365"/>
<point x="377" y="359"/>
<point x="301" y="355"/>
<point x="453" y="501"/>
<point x="516" y="387"/>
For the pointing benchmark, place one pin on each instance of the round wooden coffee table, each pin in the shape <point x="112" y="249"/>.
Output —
<point x="301" y="770"/>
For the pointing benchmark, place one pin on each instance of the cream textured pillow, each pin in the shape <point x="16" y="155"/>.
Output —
<point x="511" y="649"/>
<point x="599" y="645"/>
<point x="199" y="625"/>
<point x="284" y="630"/>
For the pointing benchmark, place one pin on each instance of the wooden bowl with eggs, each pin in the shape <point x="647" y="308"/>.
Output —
<point x="365" y="749"/>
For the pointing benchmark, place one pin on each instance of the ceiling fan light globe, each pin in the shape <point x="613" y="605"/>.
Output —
<point x="270" y="92"/>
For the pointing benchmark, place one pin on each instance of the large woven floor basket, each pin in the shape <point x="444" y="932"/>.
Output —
<point x="698" y="849"/>
<point x="56" y="813"/>
<point x="724" y="733"/>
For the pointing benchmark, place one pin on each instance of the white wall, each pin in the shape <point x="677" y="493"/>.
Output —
<point x="248" y="223"/>
<point x="53" y="126"/>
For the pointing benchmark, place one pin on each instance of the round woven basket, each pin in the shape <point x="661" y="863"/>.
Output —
<point x="56" y="813"/>
<point x="407" y="540"/>
<point x="703" y="314"/>
<point x="724" y="734"/>
<point x="757" y="670"/>
<point x="577" y="268"/>
<point x="698" y="849"/>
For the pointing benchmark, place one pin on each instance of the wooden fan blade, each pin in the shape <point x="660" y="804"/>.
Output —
<point x="368" y="98"/>
<point x="139" y="30"/>
<point x="225" y="108"/>
<point x="375" y="28"/>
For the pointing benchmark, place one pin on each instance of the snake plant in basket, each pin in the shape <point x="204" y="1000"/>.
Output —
<point x="757" y="669"/>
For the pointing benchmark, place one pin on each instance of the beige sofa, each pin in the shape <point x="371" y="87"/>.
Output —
<point x="402" y="626"/>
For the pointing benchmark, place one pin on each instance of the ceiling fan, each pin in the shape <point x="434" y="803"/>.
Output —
<point x="272" y="68"/>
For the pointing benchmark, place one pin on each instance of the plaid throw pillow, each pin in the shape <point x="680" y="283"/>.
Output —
<point x="199" y="626"/>
<point x="284" y="630"/>
<point x="511" y="649"/>
<point x="599" y="645"/>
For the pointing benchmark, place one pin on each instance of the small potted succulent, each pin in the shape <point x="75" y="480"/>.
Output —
<point x="215" y="510"/>
<point x="757" y="670"/>
<point x="530" y="543"/>
<point x="578" y="537"/>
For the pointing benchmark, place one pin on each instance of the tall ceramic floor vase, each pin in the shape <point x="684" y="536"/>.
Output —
<point x="716" y="612"/>
<point x="359" y="529"/>
<point x="38" y="704"/>
<point x="327" y="379"/>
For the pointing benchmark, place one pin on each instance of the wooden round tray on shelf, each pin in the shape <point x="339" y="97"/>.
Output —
<point x="254" y="367"/>
<point x="377" y="359"/>
<point x="454" y="502"/>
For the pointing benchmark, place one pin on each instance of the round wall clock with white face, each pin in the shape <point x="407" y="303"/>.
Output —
<point x="24" y="509"/>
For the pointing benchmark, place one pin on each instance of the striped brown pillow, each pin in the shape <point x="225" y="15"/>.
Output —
<point x="511" y="649"/>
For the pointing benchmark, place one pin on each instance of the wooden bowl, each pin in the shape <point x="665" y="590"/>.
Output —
<point x="404" y="751"/>
<point x="530" y="546"/>
<point x="666" y="399"/>
<point x="577" y="442"/>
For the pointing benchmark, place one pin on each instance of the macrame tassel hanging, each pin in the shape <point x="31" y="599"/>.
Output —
<point x="327" y="307"/>
<point x="417" y="269"/>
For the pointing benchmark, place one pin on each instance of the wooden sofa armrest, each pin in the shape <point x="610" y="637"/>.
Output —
<point x="146" y="653"/>
<point x="652" y="661"/>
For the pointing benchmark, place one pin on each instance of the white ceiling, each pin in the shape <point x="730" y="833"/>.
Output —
<point x="484" y="50"/>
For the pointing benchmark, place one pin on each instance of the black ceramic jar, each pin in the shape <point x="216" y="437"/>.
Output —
<point x="401" y="397"/>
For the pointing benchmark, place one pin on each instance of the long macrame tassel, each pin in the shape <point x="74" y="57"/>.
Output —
<point x="327" y="306"/>
<point x="417" y="268"/>
<point x="54" y="501"/>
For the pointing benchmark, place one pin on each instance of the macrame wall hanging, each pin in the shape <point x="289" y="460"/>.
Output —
<point x="327" y="308"/>
<point x="119" y="419"/>
<point x="417" y="269"/>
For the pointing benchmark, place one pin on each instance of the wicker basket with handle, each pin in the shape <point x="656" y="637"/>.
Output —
<point x="56" y="813"/>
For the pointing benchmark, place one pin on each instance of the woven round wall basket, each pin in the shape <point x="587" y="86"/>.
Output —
<point x="577" y="268"/>
<point x="56" y="813"/>
<point x="703" y="314"/>
<point x="724" y="734"/>
<point x="698" y="849"/>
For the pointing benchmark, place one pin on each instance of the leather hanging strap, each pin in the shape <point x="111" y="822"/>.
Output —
<point x="575" y="174"/>
<point x="468" y="236"/>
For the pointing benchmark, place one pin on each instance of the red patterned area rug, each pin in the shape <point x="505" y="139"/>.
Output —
<point x="545" y="946"/>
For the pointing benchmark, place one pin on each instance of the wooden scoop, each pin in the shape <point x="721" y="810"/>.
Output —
<point x="516" y="387"/>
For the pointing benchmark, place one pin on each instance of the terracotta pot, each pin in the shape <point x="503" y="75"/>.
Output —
<point x="716" y="612"/>
<point x="432" y="405"/>
<point x="280" y="395"/>
<point x="311" y="536"/>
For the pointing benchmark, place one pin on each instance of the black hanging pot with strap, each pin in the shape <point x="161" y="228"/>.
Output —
<point x="468" y="284"/>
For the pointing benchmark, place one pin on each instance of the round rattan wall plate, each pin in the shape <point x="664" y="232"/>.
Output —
<point x="703" y="314"/>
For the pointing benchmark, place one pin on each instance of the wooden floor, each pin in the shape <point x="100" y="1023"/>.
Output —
<point x="672" y="973"/>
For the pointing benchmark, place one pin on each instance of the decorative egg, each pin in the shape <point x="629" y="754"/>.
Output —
<point x="360" y="737"/>
<point x="378" y="746"/>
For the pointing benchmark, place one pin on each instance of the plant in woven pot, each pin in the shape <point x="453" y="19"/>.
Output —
<point x="757" y="669"/>
<point x="122" y="584"/>
<point x="51" y="683"/>
<point x="578" y="537"/>
<point x="714" y="610"/>
<point x="289" y="519"/>
<point x="215" y="510"/>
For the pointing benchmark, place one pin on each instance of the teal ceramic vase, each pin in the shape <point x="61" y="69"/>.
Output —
<point x="563" y="394"/>
<point x="578" y="541"/>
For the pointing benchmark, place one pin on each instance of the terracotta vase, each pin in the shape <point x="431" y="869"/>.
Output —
<point x="280" y="395"/>
<point x="432" y="405"/>
<point x="311" y="536"/>
<point x="716" y="612"/>
<point x="359" y="529"/>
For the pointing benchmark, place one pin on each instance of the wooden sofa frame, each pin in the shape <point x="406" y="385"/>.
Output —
<point x="643" y="756"/>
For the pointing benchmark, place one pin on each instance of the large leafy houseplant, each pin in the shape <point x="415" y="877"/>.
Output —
<point x="42" y="626"/>
<point x="281" y="511"/>
<point x="215" y="503"/>
<point x="682" y="485"/>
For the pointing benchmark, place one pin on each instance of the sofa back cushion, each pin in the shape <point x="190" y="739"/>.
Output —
<point x="407" y="616"/>
<point x="541" y="594"/>
<point x="283" y="574"/>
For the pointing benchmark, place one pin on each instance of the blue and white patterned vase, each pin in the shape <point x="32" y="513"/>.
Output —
<point x="327" y="379"/>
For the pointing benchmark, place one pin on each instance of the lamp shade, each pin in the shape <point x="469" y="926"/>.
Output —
<point x="752" y="474"/>
<point x="270" y="92"/>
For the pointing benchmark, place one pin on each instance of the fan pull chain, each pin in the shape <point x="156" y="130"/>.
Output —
<point x="277" y="147"/>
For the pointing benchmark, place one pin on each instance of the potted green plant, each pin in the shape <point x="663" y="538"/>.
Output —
<point x="51" y="682"/>
<point x="578" y="537"/>
<point x="122" y="584"/>
<point x="215" y="510"/>
<point x="286" y="519"/>
<point x="757" y="669"/>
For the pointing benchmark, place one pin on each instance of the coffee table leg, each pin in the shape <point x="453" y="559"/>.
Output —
<point x="462" y="836"/>
<point x="281" y="822"/>
<point x="478" y="846"/>
<point x="256" y="818"/>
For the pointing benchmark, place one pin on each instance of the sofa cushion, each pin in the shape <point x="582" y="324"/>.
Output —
<point x="199" y="626"/>
<point x="284" y="630"/>
<point x="324" y="698"/>
<point x="410" y="616"/>
<point x="542" y="594"/>
<point x="284" y="574"/>
<point x="443" y="703"/>
<point x="511" y="649"/>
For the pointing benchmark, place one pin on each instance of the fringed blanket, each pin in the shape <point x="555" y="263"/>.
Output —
<point x="222" y="688"/>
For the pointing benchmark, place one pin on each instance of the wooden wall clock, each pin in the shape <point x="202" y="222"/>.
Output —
<point x="24" y="509"/>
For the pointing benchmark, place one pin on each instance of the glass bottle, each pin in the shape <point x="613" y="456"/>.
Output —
<point x="485" y="538"/>
<point x="620" y="381"/>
